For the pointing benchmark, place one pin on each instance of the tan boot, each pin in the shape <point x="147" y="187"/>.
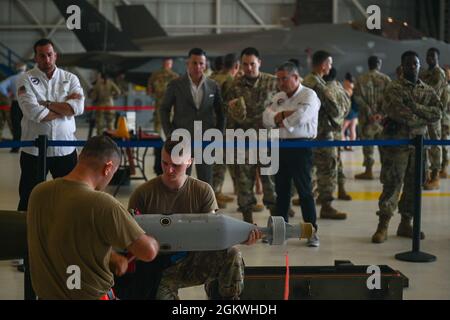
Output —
<point x="367" y="175"/>
<point x="342" y="194"/>
<point x="328" y="212"/>
<point x="221" y="197"/>
<point x="221" y="204"/>
<point x="433" y="182"/>
<point x="296" y="202"/>
<point x="258" y="207"/>
<point x="405" y="228"/>
<point x="380" y="235"/>
<point x="443" y="173"/>
<point x="248" y="217"/>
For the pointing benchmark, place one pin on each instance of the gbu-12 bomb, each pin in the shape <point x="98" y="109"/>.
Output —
<point x="175" y="232"/>
<point x="213" y="231"/>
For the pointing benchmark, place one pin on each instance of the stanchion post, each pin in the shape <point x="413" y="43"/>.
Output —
<point x="42" y="144"/>
<point x="416" y="255"/>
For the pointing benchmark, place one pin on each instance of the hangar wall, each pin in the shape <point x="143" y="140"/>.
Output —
<point x="24" y="21"/>
<point x="400" y="9"/>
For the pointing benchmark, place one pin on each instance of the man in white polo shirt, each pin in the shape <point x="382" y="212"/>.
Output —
<point x="49" y="98"/>
<point x="295" y="111"/>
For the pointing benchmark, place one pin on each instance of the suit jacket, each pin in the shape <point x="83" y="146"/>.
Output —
<point x="178" y="95"/>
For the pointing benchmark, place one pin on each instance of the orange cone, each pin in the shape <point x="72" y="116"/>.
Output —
<point x="122" y="128"/>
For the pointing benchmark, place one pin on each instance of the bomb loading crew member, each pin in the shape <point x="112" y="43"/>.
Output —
<point x="77" y="225"/>
<point x="221" y="271"/>
<point x="49" y="98"/>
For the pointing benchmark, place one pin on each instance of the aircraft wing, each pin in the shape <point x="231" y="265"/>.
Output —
<point x="113" y="60"/>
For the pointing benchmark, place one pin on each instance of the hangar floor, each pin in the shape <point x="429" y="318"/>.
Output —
<point x="340" y="240"/>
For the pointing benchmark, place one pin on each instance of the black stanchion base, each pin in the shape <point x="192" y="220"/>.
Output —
<point x="415" y="256"/>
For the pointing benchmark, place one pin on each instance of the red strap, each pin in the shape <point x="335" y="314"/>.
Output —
<point x="286" y="280"/>
<point x="122" y="108"/>
<point x="116" y="108"/>
<point x="110" y="295"/>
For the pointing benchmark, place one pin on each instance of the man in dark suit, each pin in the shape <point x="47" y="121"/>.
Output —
<point x="193" y="97"/>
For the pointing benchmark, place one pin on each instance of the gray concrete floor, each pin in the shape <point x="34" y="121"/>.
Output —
<point x="340" y="240"/>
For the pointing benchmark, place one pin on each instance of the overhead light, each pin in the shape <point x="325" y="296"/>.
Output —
<point x="405" y="24"/>
<point x="390" y="20"/>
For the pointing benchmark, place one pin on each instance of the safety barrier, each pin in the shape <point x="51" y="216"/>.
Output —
<point x="112" y="108"/>
<point x="415" y="255"/>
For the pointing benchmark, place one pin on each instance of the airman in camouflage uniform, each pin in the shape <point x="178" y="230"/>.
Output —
<point x="410" y="106"/>
<point x="434" y="77"/>
<point x="102" y="96"/>
<point x="337" y="94"/>
<point x="225" y="79"/>
<point x="120" y="81"/>
<point x="222" y="271"/>
<point x="445" y="125"/>
<point x="247" y="99"/>
<point x="331" y="116"/>
<point x="368" y="95"/>
<point x="156" y="87"/>
<point x="218" y="67"/>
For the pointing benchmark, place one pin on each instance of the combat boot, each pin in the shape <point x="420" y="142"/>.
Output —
<point x="405" y="228"/>
<point x="342" y="194"/>
<point x="221" y="197"/>
<point x="258" y="207"/>
<point x="248" y="216"/>
<point x="380" y="235"/>
<point x="443" y="173"/>
<point x="221" y="204"/>
<point x="328" y="212"/>
<point x="367" y="175"/>
<point x="433" y="182"/>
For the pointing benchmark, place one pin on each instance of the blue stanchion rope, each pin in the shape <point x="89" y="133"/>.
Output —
<point x="282" y="143"/>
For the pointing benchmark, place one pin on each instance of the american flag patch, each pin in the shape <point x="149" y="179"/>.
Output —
<point x="21" y="90"/>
